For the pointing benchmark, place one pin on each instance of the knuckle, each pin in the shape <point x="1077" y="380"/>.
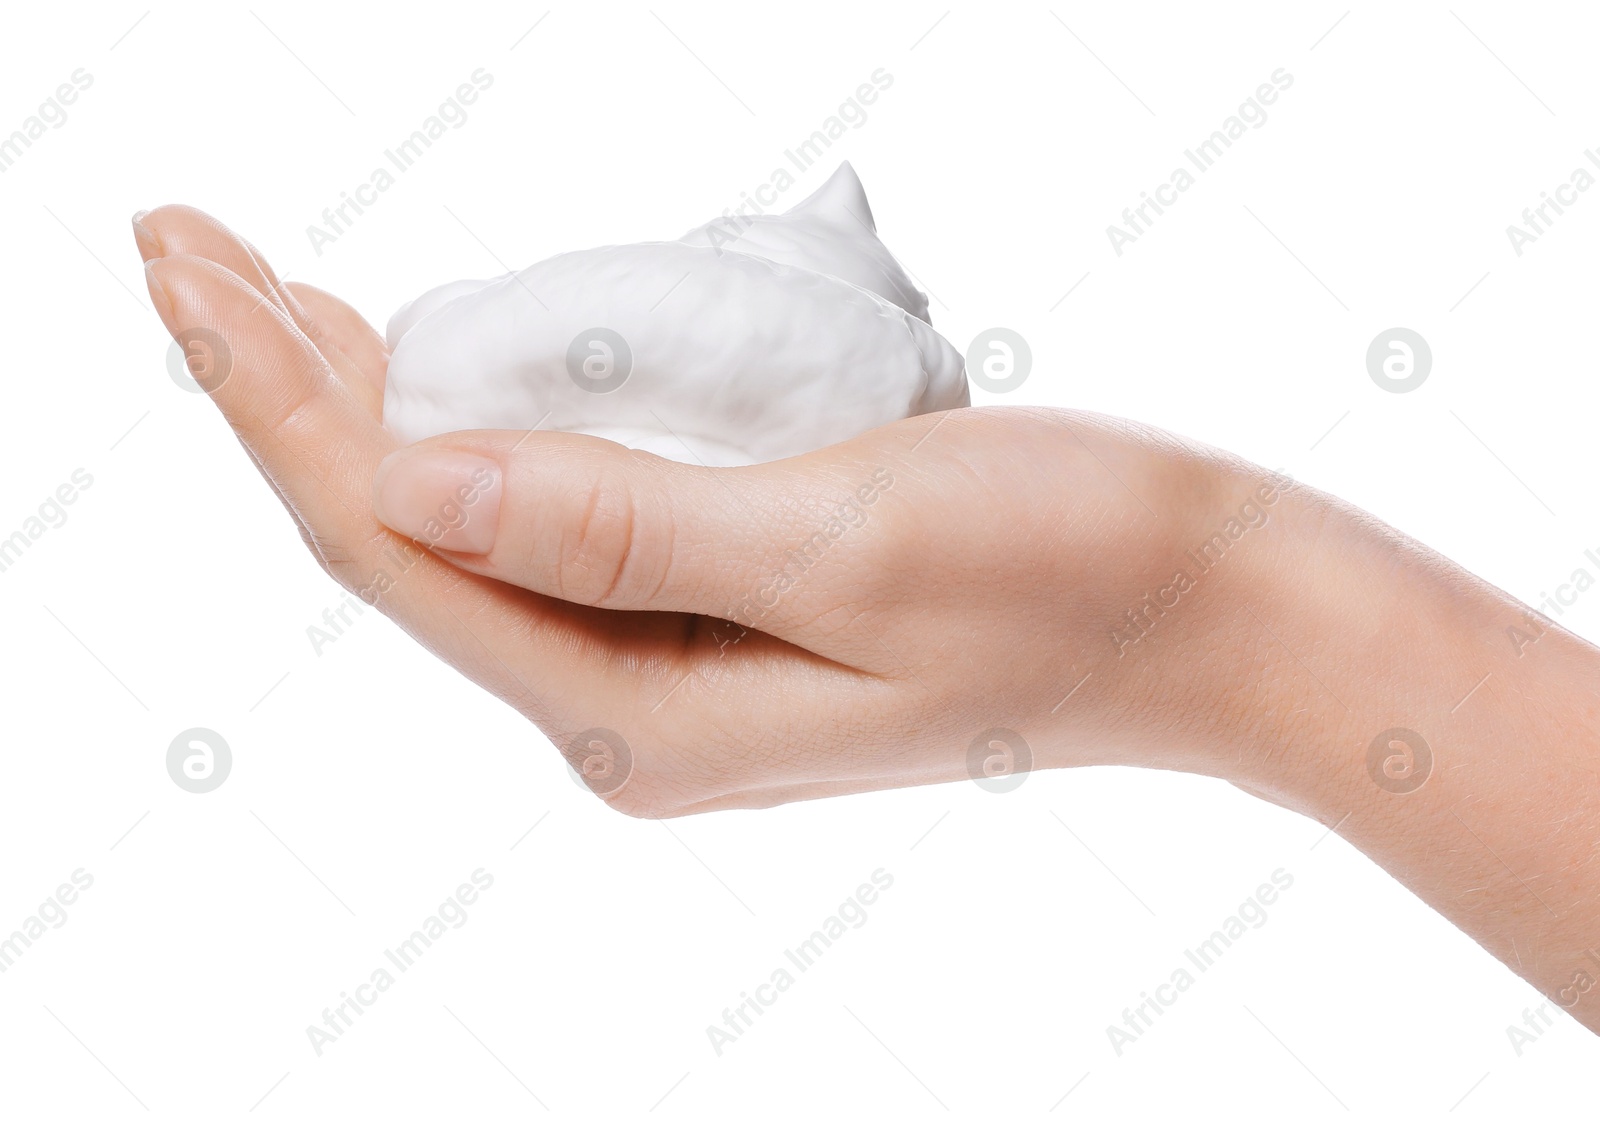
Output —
<point x="599" y="541"/>
<point x="613" y="556"/>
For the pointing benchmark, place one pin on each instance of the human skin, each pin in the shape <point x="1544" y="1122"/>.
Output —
<point x="986" y="585"/>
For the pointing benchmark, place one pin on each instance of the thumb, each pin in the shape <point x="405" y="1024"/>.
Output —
<point x="589" y="521"/>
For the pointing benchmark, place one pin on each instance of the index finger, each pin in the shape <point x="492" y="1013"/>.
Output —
<point x="320" y="448"/>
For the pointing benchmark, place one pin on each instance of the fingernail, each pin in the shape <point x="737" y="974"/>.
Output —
<point x="149" y="247"/>
<point x="439" y="498"/>
<point x="158" y="292"/>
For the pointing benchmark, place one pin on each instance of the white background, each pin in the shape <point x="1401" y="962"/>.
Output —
<point x="370" y="780"/>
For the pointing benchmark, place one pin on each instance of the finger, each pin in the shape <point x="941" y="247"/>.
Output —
<point x="320" y="448"/>
<point x="589" y="521"/>
<point x="178" y="230"/>
<point x="348" y="329"/>
<point x="365" y="385"/>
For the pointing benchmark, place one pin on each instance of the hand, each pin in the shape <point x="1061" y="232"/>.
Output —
<point x="897" y="608"/>
<point x="848" y="620"/>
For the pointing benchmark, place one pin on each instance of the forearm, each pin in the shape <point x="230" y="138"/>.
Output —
<point x="1484" y="802"/>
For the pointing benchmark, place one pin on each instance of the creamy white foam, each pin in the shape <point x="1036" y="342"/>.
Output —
<point x="746" y="340"/>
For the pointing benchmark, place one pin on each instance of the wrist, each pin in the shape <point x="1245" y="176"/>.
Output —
<point x="1293" y="630"/>
<point x="1461" y="751"/>
<point x="1188" y="664"/>
<point x="1343" y="630"/>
